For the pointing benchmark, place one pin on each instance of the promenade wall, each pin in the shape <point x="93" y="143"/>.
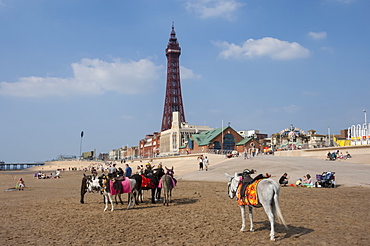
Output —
<point x="360" y="153"/>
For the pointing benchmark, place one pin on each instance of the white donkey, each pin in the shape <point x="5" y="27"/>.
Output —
<point x="268" y="196"/>
<point x="103" y="186"/>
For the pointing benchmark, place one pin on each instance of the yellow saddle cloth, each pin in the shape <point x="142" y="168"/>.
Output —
<point x="250" y="194"/>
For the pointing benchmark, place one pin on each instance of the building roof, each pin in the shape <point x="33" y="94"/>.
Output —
<point x="205" y="138"/>
<point x="244" y="141"/>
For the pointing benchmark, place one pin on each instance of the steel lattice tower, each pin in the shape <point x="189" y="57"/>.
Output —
<point x="173" y="99"/>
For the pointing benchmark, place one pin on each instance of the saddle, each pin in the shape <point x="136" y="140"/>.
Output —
<point x="117" y="184"/>
<point x="124" y="186"/>
<point x="147" y="182"/>
<point x="247" y="194"/>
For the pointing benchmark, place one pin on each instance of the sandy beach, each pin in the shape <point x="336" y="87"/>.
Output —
<point x="48" y="211"/>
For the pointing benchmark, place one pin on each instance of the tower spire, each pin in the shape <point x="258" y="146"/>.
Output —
<point x="173" y="98"/>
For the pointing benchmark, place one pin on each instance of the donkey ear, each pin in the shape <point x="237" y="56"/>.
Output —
<point x="228" y="176"/>
<point x="172" y="168"/>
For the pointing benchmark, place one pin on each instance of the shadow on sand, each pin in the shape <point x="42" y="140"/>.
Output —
<point x="292" y="231"/>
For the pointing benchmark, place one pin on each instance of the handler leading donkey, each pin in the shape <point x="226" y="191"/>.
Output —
<point x="267" y="194"/>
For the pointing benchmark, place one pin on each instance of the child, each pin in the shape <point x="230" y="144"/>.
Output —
<point x="20" y="184"/>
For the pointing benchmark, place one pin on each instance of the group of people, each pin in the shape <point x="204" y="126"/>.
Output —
<point x="337" y="155"/>
<point x="203" y="162"/>
<point x="147" y="169"/>
<point x="251" y="152"/>
<point x="119" y="171"/>
<point x="305" y="181"/>
<point x="41" y="175"/>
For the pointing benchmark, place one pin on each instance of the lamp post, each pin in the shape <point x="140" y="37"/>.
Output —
<point x="365" y="128"/>
<point x="365" y="116"/>
<point x="82" y="135"/>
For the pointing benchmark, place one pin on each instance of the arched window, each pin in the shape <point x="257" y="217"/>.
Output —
<point x="216" y="145"/>
<point x="229" y="142"/>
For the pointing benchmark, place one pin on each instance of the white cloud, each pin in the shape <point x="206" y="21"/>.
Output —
<point x="188" y="73"/>
<point x="270" y="47"/>
<point x="90" y="76"/>
<point x="292" y="109"/>
<point x="213" y="8"/>
<point x="317" y="35"/>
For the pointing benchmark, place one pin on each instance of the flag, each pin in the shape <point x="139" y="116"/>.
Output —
<point x="82" y="134"/>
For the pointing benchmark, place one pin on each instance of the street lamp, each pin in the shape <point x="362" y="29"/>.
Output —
<point x="365" y="116"/>
<point x="82" y="134"/>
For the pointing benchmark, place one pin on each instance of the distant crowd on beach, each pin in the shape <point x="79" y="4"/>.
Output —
<point x="326" y="180"/>
<point x="337" y="155"/>
<point x="42" y="175"/>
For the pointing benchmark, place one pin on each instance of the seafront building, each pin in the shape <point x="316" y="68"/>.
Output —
<point x="359" y="134"/>
<point x="174" y="140"/>
<point x="222" y="140"/>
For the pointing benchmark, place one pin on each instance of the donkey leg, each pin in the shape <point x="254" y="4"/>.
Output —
<point x="164" y="197"/>
<point x="271" y="217"/>
<point x="82" y="201"/>
<point x="250" y="210"/>
<point x="140" y="196"/>
<point x="120" y="198"/>
<point x="134" y="195"/>
<point x="157" y="195"/>
<point x="170" y="196"/>
<point x="129" y="200"/>
<point x="106" y="203"/>
<point x="111" y="201"/>
<point x="167" y="197"/>
<point x="153" y="196"/>
<point x="242" y="210"/>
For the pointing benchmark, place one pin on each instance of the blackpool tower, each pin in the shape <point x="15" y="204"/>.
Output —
<point x="173" y="98"/>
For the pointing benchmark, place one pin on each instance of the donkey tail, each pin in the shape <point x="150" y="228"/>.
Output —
<point x="277" y="206"/>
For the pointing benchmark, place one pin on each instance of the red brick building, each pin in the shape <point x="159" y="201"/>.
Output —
<point x="150" y="145"/>
<point x="221" y="140"/>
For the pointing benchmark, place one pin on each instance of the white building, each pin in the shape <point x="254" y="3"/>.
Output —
<point x="172" y="139"/>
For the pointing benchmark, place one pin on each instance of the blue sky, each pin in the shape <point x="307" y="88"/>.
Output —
<point x="100" y="67"/>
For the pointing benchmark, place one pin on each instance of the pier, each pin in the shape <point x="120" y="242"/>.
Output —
<point x="19" y="166"/>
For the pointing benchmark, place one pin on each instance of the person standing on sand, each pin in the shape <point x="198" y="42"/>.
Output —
<point x="128" y="171"/>
<point x="112" y="169"/>
<point x="206" y="162"/>
<point x="200" y="159"/>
